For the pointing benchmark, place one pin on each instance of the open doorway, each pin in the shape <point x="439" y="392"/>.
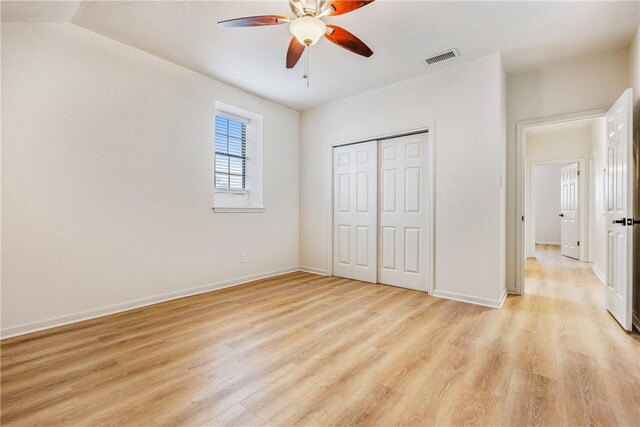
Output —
<point x="610" y="182"/>
<point x="555" y="206"/>
<point x="563" y="183"/>
<point x="558" y="194"/>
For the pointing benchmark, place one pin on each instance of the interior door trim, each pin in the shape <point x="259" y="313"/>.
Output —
<point x="521" y="126"/>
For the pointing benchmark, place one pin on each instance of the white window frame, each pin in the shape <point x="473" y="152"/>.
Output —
<point x="248" y="200"/>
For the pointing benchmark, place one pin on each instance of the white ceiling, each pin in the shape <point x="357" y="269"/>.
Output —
<point x="401" y="33"/>
<point x="38" y="11"/>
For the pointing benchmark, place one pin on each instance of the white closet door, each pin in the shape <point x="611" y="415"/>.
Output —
<point x="403" y="254"/>
<point x="354" y="211"/>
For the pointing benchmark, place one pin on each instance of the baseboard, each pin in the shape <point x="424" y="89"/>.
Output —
<point x="636" y="321"/>
<point x="599" y="273"/>
<point x="503" y="297"/>
<point x="117" y="308"/>
<point x="486" y="302"/>
<point x="314" y="270"/>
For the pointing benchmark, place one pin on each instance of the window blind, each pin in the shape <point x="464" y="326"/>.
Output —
<point x="230" y="153"/>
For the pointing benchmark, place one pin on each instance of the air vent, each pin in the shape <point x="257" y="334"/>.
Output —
<point x="442" y="56"/>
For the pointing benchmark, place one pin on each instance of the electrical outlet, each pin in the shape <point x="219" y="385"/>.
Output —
<point x="243" y="257"/>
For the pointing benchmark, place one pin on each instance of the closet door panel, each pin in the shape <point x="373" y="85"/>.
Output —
<point x="355" y="211"/>
<point x="404" y="186"/>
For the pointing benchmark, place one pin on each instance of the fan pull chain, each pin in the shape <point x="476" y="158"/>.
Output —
<point x="306" y="66"/>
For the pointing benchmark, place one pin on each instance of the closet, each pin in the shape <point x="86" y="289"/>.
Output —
<point x="381" y="211"/>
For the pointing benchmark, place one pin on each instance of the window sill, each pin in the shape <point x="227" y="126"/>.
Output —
<point x="235" y="192"/>
<point x="238" y="210"/>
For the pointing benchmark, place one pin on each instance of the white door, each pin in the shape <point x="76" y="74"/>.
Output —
<point x="354" y="211"/>
<point x="569" y="234"/>
<point x="403" y="258"/>
<point x="619" y="203"/>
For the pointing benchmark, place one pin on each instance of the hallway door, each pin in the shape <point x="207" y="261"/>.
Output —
<point x="569" y="231"/>
<point x="619" y="205"/>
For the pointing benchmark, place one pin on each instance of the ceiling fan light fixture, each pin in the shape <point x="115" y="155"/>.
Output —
<point x="307" y="27"/>
<point x="308" y="30"/>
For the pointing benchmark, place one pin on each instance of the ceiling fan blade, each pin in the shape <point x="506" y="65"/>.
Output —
<point x="345" y="39"/>
<point x="254" y="21"/>
<point x="294" y="52"/>
<point x="345" y="6"/>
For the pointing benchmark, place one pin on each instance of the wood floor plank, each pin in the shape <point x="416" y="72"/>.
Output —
<point x="303" y="349"/>
<point x="532" y="400"/>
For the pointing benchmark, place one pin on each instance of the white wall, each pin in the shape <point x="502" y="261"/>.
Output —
<point x="503" y="181"/>
<point x="465" y="104"/>
<point x="555" y="145"/>
<point x="107" y="180"/>
<point x="575" y="85"/>
<point x="546" y="194"/>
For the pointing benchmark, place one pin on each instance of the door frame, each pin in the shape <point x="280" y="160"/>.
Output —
<point x="521" y="127"/>
<point x="429" y="129"/>
<point x="591" y="222"/>
<point x="583" y="194"/>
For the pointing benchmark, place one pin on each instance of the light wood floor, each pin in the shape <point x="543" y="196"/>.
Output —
<point x="302" y="349"/>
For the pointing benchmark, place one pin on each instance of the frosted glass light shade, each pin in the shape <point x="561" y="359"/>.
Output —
<point x="308" y="30"/>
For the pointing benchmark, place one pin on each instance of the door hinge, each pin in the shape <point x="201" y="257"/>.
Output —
<point x="578" y="242"/>
<point x="578" y="173"/>
<point x="522" y="218"/>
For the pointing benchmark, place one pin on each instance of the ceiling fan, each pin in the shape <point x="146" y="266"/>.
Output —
<point x="308" y="27"/>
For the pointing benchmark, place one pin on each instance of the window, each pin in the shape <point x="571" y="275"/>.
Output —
<point x="230" y="153"/>
<point x="237" y="163"/>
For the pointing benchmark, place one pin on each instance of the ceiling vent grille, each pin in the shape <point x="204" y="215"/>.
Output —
<point x="442" y="56"/>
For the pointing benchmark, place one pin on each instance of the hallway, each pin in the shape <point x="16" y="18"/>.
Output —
<point x="555" y="276"/>
<point x="574" y="344"/>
